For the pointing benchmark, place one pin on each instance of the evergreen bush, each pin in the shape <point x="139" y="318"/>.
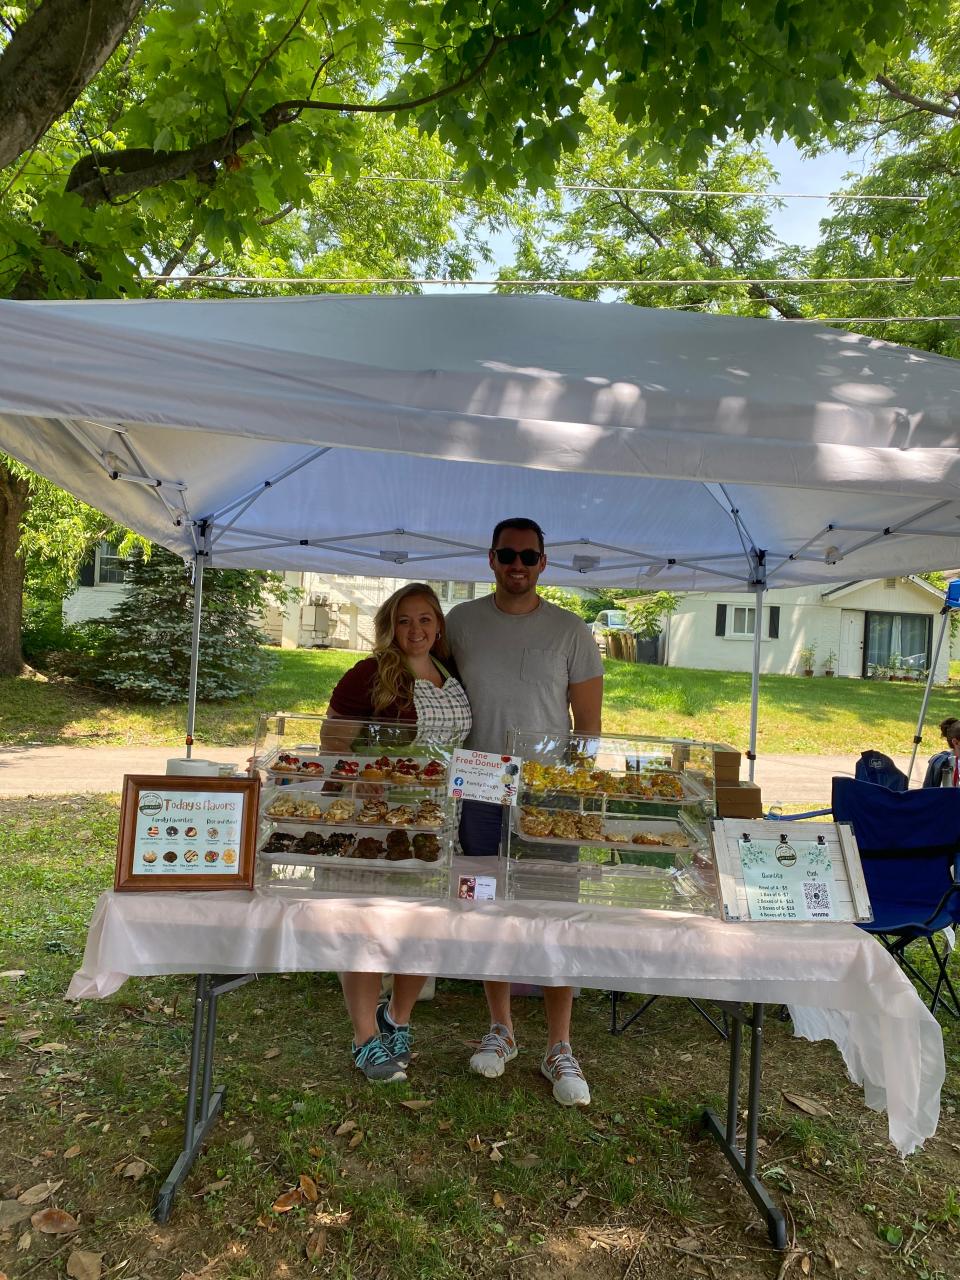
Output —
<point x="144" y="650"/>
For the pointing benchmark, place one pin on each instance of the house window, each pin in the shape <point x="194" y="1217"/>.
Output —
<point x="452" y="592"/>
<point x="109" y="567"/>
<point x="744" y="620"/>
<point x="900" y="641"/>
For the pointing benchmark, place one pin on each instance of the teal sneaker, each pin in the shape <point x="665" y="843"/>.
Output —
<point x="375" y="1062"/>
<point x="396" y="1040"/>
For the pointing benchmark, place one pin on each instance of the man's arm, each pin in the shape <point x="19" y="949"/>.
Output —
<point x="586" y="701"/>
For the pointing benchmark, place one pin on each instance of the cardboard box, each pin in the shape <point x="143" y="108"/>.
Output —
<point x="739" y="800"/>
<point x="726" y="764"/>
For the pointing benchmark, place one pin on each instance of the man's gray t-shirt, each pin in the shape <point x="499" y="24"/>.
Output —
<point x="517" y="668"/>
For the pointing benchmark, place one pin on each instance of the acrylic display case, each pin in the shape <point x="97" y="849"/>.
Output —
<point x="612" y="821"/>
<point x="352" y="807"/>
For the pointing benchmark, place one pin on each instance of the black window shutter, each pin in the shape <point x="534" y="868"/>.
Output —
<point x="773" y="626"/>
<point x="85" y="577"/>
<point x="721" y="629"/>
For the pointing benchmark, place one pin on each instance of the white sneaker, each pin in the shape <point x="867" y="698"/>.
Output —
<point x="562" y="1069"/>
<point x="497" y="1048"/>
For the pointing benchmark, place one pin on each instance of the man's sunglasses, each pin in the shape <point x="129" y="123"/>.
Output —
<point x="507" y="555"/>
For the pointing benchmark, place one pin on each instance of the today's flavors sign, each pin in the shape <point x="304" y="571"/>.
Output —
<point x="484" y="775"/>
<point x="188" y="833"/>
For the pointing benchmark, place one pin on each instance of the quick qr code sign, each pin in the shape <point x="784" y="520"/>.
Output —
<point x="774" y="871"/>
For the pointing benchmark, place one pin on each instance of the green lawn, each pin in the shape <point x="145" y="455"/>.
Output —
<point x="811" y="716"/>
<point x="488" y="1179"/>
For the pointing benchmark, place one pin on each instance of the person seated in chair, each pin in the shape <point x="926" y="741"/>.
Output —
<point x="943" y="769"/>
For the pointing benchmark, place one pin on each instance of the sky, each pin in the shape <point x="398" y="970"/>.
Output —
<point x="797" y="222"/>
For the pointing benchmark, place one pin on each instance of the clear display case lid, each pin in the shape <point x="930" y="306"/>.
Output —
<point x="305" y="744"/>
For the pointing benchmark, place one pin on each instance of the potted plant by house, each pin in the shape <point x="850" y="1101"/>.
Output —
<point x="894" y="668"/>
<point x="807" y="654"/>
<point x="830" y="663"/>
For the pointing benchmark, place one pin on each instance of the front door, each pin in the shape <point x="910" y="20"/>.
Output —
<point x="851" y="643"/>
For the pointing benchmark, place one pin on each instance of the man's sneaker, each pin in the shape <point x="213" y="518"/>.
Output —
<point x="563" y="1071"/>
<point x="497" y="1048"/>
<point x="396" y="1040"/>
<point x="375" y="1062"/>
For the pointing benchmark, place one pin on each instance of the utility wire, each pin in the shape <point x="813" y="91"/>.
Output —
<point x="529" y="284"/>
<point x="691" y="193"/>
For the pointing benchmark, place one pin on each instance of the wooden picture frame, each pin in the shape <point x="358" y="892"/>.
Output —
<point x="186" y="833"/>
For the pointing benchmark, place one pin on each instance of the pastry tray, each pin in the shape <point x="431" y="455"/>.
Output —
<point x="324" y="802"/>
<point x="289" y="858"/>
<point x="329" y="758"/>
<point x="694" y="791"/>
<point x="622" y="827"/>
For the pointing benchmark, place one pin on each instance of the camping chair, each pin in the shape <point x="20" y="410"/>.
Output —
<point x="909" y="847"/>
<point x="874" y="766"/>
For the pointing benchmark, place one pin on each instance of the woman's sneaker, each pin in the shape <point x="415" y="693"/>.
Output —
<point x="497" y="1048"/>
<point x="396" y="1040"/>
<point x="375" y="1062"/>
<point x="562" y="1069"/>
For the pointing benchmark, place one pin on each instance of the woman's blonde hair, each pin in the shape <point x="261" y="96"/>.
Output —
<point x="394" y="682"/>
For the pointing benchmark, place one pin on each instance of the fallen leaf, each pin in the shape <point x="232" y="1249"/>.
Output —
<point x="135" y="1170"/>
<point x="40" y="1192"/>
<point x="308" y="1187"/>
<point x="444" y="1126"/>
<point x="576" y="1200"/>
<point x="355" y="1140"/>
<point x="24" y="1037"/>
<point x="211" y="1187"/>
<point x="54" y="1046"/>
<point x="12" y="1212"/>
<point x="288" y="1200"/>
<point x="324" y="1218"/>
<point x="527" y="1161"/>
<point x="631" y="1159"/>
<point x="144" y="1131"/>
<point x="808" y="1105"/>
<point x="496" y="1155"/>
<point x="246" y="1142"/>
<point x="805" y="1264"/>
<point x="348" y="1126"/>
<point x="71" y="1152"/>
<point x="498" y="1201"/>
<point x="316" y="1243"/>
<point x="54" y="1222"/>
<point x="14" y="974"/>
<point x="417" y="1104"/>
<point x="689" y="1244"/>
<point x="312" y="1151"/>
<point x="83" y="1264"/>
<point x="474" y="1143"/>
<point x="24" y="1243"/>
<point x="272" y="1053"/>
<point x="233" y="1037"/>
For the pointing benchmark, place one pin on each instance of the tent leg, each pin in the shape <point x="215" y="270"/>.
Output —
<point x="755" y="680"/>
<point x="194" y="651"/>
<point x="918" y="736"/>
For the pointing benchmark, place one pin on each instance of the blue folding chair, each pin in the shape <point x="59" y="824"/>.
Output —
<point x="909" y="844"/>
<point x="874" y="766"/>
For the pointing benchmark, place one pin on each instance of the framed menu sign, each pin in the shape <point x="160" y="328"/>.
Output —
<point x="186" y="832"/>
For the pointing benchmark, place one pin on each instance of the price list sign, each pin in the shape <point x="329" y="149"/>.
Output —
<point x="187" y="832"/>
<point x="775" y="871"/>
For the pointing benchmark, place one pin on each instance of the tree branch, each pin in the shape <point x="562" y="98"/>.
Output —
<point x="263" y="62"/>
<point x="922" y="104"/>
<point x="48" y="62"/>
<point x="117" y="174"/>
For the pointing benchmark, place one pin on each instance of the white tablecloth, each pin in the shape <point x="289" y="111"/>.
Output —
<point x="839" y="982"/>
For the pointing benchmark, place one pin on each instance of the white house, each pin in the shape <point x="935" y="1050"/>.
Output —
<point x="333" y="609"/>
<point x="854" y="629"/>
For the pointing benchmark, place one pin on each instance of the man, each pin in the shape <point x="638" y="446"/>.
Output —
<point x="525" y="664"/>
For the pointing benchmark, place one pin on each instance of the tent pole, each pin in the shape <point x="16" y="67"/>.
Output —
<point x="758" y="580"/>
<point x="918" y="736"/>
<point x="203" y="551"/>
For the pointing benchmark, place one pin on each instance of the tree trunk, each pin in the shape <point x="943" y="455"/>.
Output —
<point x="14" y="494"/>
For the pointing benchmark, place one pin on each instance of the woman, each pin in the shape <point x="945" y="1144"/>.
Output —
<point x="407" y="681"/>
<point x="943" y="769"/>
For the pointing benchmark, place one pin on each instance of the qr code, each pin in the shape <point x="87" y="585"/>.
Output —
<point x="816" y="895"/>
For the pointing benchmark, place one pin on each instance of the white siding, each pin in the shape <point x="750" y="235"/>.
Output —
<point x="87" y="604"/>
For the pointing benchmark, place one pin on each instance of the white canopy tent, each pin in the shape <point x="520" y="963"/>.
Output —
<point x="364" y="434"/>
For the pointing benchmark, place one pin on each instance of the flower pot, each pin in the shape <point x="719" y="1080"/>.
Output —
<point x="828" y="673"/>
<point x="808" y="671"/>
